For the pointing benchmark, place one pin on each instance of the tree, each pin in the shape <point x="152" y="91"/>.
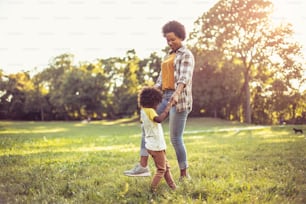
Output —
<point x="149" y="69"/>
<point x="14" y="94"/>
<point x="52" y="80"/>
<point x="36" y="103"/>
<point x="85" y="91"/>
<point x="243" y="30"/>
<point x="216" y="90"/>
<point x="127" y="85"/>
<point x="3" y="90"/>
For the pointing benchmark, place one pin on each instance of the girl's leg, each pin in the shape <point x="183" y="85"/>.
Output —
<point x="160" y="163"/>
<point x="168" y="176"/>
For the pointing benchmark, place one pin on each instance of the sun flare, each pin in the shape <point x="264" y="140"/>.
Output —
<point x="288" y="11"/>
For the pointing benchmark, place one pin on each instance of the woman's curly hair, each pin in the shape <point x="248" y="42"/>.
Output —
<point x="176" y="27"/>
<point x="149" y="97"/>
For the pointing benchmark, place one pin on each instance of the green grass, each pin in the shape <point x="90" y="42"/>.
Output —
<point x="73" y="162"/>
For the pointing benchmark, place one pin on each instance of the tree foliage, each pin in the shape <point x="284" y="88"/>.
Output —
<point x="105" y="88"/>
<point x="247" y="69"/>
<point x="243" y="31"/>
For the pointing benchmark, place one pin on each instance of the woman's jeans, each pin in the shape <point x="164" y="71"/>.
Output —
<point x="177" y="122"/>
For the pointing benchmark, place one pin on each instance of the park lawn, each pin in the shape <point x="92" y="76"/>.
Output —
<point x="74" y="162"/>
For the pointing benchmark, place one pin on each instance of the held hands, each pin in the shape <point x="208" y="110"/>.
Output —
<point x="168" y="107"/>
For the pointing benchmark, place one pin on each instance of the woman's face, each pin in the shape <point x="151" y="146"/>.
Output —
<point x="173" y="41"/>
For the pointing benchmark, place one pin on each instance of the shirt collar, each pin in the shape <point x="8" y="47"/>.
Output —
<point x="181" y="49"/>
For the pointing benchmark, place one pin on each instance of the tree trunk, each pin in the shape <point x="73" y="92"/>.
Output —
<point x="215" y="113"/>
<point x="42" y="114"/>
<point x="247" y="108"/>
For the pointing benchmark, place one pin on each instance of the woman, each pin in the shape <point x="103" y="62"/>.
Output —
<point x="175" y="80"/>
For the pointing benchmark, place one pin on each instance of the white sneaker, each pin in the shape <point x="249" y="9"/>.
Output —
<point x="138" y="170"/>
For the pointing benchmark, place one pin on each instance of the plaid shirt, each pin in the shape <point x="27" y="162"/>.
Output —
<point x="183" y="72"/>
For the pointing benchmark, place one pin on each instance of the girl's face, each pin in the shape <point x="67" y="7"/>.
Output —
<point x="173" y="41"/>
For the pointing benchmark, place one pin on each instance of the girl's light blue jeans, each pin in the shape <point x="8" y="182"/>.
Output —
<point x="177" y="122"/>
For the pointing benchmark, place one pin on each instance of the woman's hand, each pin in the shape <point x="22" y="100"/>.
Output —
<point x="174" y="98"/>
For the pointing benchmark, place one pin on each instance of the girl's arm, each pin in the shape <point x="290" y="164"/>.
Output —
<point x="161" y="117"/>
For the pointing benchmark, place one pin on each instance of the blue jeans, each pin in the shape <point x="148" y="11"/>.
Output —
<point x="177" y="122"/>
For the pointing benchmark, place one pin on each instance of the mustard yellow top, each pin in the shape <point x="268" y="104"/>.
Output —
<point x="167" y="70"/>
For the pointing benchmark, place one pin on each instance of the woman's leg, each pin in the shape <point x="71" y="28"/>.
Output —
<point x="144" y="155"/>
<point x="166" y="97"/>
<point x="177" y="122"/>
<point x="141" y="169"/>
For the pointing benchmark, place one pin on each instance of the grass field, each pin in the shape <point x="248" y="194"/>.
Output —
<point x="74" y="162"/>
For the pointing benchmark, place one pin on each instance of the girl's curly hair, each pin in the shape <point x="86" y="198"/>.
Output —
<point x="149" y="97"/>
<point x="176" y="27"/>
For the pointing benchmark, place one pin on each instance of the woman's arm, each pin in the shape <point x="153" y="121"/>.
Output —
<point x="158" y="83"/>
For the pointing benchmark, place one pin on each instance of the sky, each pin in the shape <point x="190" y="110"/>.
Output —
<point x="33" y="32"/>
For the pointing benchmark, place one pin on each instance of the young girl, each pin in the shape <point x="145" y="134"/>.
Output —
<point x="149" y="98"/>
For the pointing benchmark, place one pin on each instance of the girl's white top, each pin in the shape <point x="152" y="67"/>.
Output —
<point x="154" y="135"/>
